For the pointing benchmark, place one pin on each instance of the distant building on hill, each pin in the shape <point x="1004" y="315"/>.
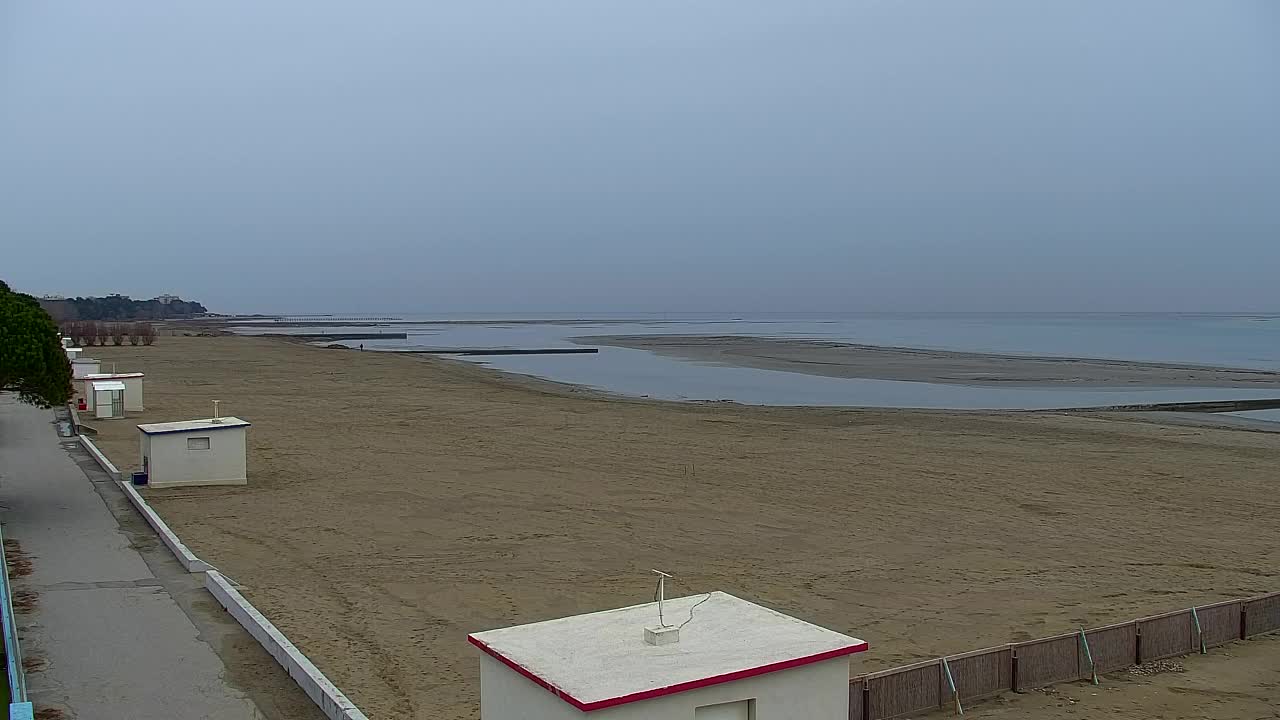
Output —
<point x="167" y="299"/>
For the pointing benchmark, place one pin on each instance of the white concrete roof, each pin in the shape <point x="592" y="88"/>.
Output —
<point x="109" y="376"/>
<point x="601" y="660"/>
<point x="192" y="425"/>
<point x="85" y="360"/>
<point x="108" y="385"/>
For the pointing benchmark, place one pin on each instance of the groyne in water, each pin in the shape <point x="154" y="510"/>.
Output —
<point x="1211" y="406"/>
<point x="336" y="336"/>
<point x="499" y="351"/>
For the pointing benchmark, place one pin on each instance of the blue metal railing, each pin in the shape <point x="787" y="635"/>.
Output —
<point x="19" y="706"/>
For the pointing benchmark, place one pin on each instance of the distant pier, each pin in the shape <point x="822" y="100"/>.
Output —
<point x="336" y="336"/>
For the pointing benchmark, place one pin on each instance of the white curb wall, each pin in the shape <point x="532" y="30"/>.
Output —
<point x="97" y="455"/>
<point x="325" y="694"/>
<point x="186" y="558"/>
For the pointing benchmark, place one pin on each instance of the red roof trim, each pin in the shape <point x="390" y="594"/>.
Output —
<point x="670" y="689"/>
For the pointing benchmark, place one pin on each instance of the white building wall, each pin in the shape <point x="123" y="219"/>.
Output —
<point x="507" y="695"/>
<point x="133" y="394"/>
<point x="83" y="366"/>
<point x="171" y="463"/>
<point x="819" y="691"/>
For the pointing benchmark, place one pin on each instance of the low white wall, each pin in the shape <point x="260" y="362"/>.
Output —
<point x="102" y="459"/>
<point x="186" y="558"/>
<point x="323" y="693"/>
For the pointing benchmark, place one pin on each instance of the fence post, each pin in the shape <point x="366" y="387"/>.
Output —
<point x="1088" y="655"/>
<point x="866" y="700"/>
<point x="1244" y="621"/>
<point x="1013" y="671"/>
<point x="951" y="683"/>
<point x="1195" y="617"/>
<point x="1137" y="644"/>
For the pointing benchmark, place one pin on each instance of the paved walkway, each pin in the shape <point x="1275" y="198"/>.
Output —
<point x="111" y="634"/>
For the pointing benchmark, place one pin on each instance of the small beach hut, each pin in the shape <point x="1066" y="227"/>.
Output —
<point x="82" y="366"/>
<point x="194" y="452"/>
<point x="132" y="389"/>
<point x="72" y="352"/>
<point x="711" y="657"/>
<point x="108" y="399"/>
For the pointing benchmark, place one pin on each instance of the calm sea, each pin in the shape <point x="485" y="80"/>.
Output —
<point x="1248" y="341"/>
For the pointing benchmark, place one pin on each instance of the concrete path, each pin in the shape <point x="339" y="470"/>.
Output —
<point x="110" y="635"/>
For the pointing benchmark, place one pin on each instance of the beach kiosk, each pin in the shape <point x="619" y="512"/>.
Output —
<point x="72" y="352"/>
<point x="132" y="389"/>
<point x="82" y="366"/>
<point x="194" y="452"/>
<point x="108" y="399"/>
<point x="710" y="657"/>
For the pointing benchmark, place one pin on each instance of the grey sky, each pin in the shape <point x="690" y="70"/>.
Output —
<point x="704" y="155"/>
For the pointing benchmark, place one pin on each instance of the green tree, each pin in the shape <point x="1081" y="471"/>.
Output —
<point x="32" y="360"/>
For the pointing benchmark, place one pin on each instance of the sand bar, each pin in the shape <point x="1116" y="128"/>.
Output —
<point x="843" y="360"/>
<point x="396" y="503"/>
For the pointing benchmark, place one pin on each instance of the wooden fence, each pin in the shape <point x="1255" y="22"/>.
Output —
<point x="927" y="686"/>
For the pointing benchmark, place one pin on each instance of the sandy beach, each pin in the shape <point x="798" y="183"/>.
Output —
<point x="842" y="360"/>
<point x="396" y="503"/>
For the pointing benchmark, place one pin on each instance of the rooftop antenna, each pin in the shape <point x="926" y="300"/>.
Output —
<point x="217" y="417"/>
<point x="662" y="594"/>
<point x="662" y="634"/>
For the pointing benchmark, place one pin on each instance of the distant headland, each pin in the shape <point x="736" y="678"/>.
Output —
<point x="119" y="307"/>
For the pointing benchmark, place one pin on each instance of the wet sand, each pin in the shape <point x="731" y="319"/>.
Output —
<point x="872" y="362"/>
<point x="396" y="503"/>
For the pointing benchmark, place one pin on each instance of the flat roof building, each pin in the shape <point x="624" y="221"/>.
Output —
<point x="132" y="389"/>
<point x="195" y="452"/>
<point x="726" y="659"/>
<point x="108" y="399"/>
<point x="82" y="366"/>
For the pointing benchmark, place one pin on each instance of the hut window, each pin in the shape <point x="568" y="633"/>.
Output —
<point x="198" y="443"/>
<point x="741" y="710"/>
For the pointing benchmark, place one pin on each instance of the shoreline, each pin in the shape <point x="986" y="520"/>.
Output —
<point x="561" y="388"/>
<point x="947" y="367"/>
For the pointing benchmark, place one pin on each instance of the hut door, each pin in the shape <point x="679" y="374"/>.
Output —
<point x="117" y="403"/>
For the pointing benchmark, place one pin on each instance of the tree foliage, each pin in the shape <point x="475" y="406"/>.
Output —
<point x="119" y="308"/>
<point x="32" y="361"/>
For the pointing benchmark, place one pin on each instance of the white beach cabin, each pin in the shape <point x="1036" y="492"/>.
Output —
<point x="72" y="352"/>
<point x="82" y="366"/>
<point x="729" y="660"/>
<point x="108" y="399"/>
<point x="195" y="452"/>
<point x="132" y="389"/>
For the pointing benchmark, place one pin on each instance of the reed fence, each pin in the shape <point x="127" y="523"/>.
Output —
<point x="955" y="680"/>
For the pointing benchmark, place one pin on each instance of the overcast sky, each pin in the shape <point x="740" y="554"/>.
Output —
<point x="592" y="155"/>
